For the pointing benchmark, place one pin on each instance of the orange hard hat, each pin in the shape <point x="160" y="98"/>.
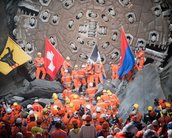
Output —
<point x="98" y="127"/>
<point x="39" y="121"/>
<point x="77" y="107"/>
<point x="101" y="120"/>
<point x="88" y="118"/>
<point x="74" y="122"/>
<point x="139" y="134"/>
<point x="105" y="125"/>
<point x="61" y="112"/>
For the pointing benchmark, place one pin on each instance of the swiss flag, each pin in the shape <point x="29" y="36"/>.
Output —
<point x="53" y="59"/>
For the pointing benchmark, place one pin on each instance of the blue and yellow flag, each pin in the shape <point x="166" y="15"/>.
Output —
<point x="12" y="56"/>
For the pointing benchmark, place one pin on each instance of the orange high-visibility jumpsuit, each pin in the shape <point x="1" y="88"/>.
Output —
<point x="66" y="65"/>
<point x="114" y="100"/>
<point x="82" y="76"/>
<point x="90" y="74"/>
<point x="67" y="92"/>
<point x="76" y="81"/>
<point x="91" y="91"/>
<point x="140" y="55"/>
<point x="142" y="59"/>
<point x="58" y="103"/>
<point x="37" y="107"/>
<point x="99" y="71"/>
<point x="39" y="62"/>
<point x="67" y="80"/>
<point x="114" y="68"/>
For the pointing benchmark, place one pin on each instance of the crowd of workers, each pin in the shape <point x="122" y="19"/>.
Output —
<point x="88" y="74"/>
<point x="80" y="116"/>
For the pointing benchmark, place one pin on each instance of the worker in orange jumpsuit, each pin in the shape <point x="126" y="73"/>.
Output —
<point x="99" y="72"/>
<point x="46" y="119"/>
<point x="82" y="77"/>
<point x="39" y="63"/>
<point x="67" y="79"/>
<point x="36" y="106"/>
<point x="140" y="55"/>
<point x="9" y="117"/>
<point x="67" y="92"/>
<point x="102" y="104"/>
<point x="57" y="102"/>
<point x="135" y="115"/>
<point x="91" y="91"/>
<point x="113" y="98"/>
<point x="114" y="68"/>
<point x="32" y="122"/>
<point x="90" y="73"/>
<point x="76" y="101"/>
<point x="66" y="65"/>
<point x="75" y="78"/>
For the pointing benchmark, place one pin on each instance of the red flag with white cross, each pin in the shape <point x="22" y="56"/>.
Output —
<point x="53" y="59"/>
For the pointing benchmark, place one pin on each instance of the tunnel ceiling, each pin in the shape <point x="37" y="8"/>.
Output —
<point x="75" y="26"/>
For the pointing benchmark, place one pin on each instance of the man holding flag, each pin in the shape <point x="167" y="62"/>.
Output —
<point x="39" y="63"/>
<point x="99" y="72"/>
<point x="127" y="61"/>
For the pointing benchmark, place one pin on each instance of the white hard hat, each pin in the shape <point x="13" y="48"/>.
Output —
<point x="84" y="117"/>
<point x="75" y="114"/>
<point x="98" y="109"/>
<point x="36" y="100"/>
<point x="100" y="137"/>
<point x="19" y="135"/>
<point x="88" y="106"/>
<point x="91" y="84"/>
<point x="155" y="123"/>
<point x="39" y="53"/>
<point x="83" y="66"/>
<point x="116" y="130"/>
<point x="55" y="106"/>
<point x="102" y="116"/>
<point x="94" y="115"/>
<point x="66" y="70"/>
<point x="29" y="106"/>
<point x="31" y="112"/>
<point x="18" y="121"/>
<point x="8" y="110"/>
<point x="169" y="133"/>
<point x="109" y="136"/>
<point x="67" y="58"/>
<point x="76" y="66"/>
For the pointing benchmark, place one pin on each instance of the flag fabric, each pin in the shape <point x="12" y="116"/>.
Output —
<point x="53" y="59"/>
<point x="127" y="61"/>
<point x="95" y="55"/>
<point x="12" y="56"/>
